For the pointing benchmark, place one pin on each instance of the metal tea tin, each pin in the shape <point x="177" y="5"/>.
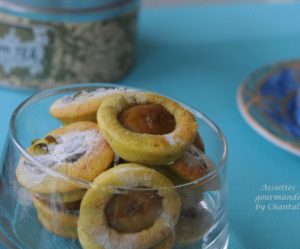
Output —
<point x="56" y="42"/>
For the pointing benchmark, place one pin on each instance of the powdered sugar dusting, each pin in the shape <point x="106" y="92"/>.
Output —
<point x="113" y="240"/>
<point x="70" y="144"/>
<point x="70" y="147"/>
<point x="173" y="140"/>
<point x="82" y="96"/>
<point x="128" y="175"/>
<point x="24" y="197"/>
<point x="169" y="220"/>
<point x="31" y="174"/>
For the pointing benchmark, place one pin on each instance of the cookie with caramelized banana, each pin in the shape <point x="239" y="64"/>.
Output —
<point x="146" y="128"/>
<point x="130" y="206"/>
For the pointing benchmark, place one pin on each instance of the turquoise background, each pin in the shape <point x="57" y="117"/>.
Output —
<point x="200" y="55"/>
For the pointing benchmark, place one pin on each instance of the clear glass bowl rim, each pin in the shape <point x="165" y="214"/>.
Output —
<point x="18" y="7"/>
<point x="219" y="166"/>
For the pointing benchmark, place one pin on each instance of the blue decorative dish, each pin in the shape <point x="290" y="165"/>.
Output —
<point x="269" y="100"/>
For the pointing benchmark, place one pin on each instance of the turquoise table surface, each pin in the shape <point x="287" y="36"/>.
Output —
<point x="200" y="55"/>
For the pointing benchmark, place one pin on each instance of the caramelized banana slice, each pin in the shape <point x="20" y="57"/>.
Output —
<point x="62" y="222"/>
<point x="148" y="118"/>
<point x="132" y="212"/>
<point x="82" y="105"/>
<point x="130" y="207"/>
<point x="78" y="150"/>
<point x="158" y="134"/>
<point x="192" y="225"/>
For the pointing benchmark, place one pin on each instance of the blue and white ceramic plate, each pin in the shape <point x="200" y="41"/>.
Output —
<point x="269" y="100"/>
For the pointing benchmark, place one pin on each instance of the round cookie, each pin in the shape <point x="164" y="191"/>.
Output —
<point x="82" y="105"/>
<point x="144" y="148"/>
<point x="60" y="222"/>
<point x="124" y="216"/>
<point x="77" y="150"/>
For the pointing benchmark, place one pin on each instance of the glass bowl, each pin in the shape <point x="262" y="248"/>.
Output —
<point x="28" y="220"/>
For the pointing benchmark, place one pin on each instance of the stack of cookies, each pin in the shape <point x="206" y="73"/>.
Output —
<point x="121" y="172"/>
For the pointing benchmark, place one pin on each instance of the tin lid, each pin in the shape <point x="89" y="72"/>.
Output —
<point x="67" y="10"/>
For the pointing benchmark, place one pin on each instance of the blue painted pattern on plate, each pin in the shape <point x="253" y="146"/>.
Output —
<point x="278" y="94"/>
<point x="270" y="101"/>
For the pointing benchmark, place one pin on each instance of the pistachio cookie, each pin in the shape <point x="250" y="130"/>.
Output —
<point x="77" y="150"/>
<point x="82" y="105"/>
<point x="140" y="212"/>
<point x="125" y="121"/>
<point x="58" y="220"/>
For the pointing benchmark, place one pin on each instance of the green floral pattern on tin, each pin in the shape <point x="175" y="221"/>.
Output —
<point x="45" y="54"/>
